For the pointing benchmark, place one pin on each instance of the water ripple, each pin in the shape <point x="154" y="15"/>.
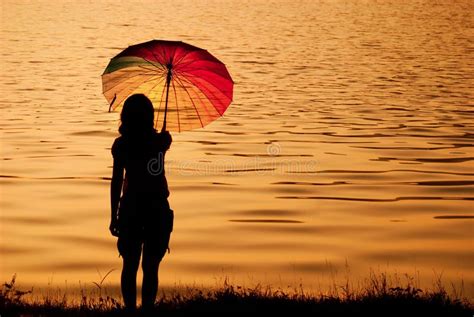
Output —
<point x="376" y="199"/>
<point x="266" y="220"/>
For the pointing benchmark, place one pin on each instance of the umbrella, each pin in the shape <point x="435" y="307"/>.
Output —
<point x="188" y="87"/>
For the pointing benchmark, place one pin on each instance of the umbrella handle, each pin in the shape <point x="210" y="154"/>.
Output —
<point x="168" y="81"/>
<point x="163" y="128"/>
<point x="113" y="100"/>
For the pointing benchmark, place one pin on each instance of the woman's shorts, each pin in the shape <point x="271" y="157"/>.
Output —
<point x="145" y="224"/>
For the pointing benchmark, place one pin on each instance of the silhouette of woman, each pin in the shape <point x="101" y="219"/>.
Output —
<point x="141" y="218"/>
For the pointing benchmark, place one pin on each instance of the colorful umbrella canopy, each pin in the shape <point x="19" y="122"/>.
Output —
<point x="188" y="86"/>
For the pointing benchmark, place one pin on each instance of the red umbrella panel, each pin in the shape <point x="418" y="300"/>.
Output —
<point x="188" y="86"/>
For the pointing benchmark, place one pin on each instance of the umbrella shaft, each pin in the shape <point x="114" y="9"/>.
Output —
<point x="168" y="81"/>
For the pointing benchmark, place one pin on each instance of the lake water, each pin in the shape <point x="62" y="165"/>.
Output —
<point x="349" y="141"/>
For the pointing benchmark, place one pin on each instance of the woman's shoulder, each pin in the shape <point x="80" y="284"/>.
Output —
<point x="118" y="141"/>
<point x="117" y="145"/>
<point x="163" y="139"/>
<point x="160" y="135"/>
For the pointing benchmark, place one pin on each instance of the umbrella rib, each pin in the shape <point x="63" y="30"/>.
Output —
<point x="152" y="63"/>
<point x="177" y="109"/>
<point x="132" y="92"/>
<point x="207" y="81"/>
<point x="157" y="59"/>
<point x="151" y="70"/>
<point x="121" y="81"/>
<point x="159" y="107"/>
<point x="190" y="98"/>
<point x="213" y="95"/>
<point x="214" y="60"/>
<point x="190" y="83"/>
<point x="157" y="83"/>
<point x="226" y="77"/>
<point x="189" y="63"/>
<point x="181" y="59"/>
<point x="163" y="55"/>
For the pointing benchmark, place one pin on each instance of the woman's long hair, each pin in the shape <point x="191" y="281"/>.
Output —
<point x="137" y="116"/>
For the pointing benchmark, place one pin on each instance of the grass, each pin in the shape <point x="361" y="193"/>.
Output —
<point x="380" y="295"/>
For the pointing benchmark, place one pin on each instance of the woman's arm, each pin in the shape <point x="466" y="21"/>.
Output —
<point x="115" y="191"/>
<point x="166" y="137"/>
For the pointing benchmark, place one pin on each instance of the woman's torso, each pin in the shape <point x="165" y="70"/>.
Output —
<point x="143" y="160"/>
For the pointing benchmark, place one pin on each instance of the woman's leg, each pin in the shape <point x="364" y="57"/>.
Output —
<point x="155" y="245"/>
<point x="150" y="267"/>
<point x="131" y="262"/>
